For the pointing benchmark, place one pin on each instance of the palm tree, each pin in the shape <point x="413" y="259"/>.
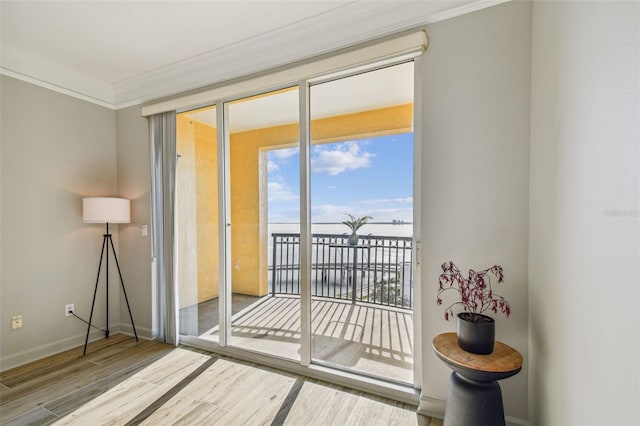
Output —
<point x="355" y="223"/>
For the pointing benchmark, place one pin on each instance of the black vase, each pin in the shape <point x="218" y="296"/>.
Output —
<point x="476" y="332"/>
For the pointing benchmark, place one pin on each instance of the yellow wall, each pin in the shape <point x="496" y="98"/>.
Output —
<point x="197" y="184"/>
<point x="365" y="124"/>
<point x="207" y="215"/>
<point x="249" y="205"/>
<point x="186" y="212"/>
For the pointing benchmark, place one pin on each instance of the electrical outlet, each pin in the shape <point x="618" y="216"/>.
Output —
<point x="69" y="310"/>
<point x="16" y="322"/>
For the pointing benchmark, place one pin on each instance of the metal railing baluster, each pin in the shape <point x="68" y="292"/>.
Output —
<point x="384" y="260"/>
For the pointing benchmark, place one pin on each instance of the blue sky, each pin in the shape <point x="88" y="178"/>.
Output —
<point x="371" y="176"/>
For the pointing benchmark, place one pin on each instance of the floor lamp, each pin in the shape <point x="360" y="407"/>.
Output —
<point x="106" y="210"/>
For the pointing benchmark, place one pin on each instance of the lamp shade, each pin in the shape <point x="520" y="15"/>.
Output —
<point x="106" y="210"/>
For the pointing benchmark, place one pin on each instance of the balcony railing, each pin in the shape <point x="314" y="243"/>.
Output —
<point x="377" y="270"/>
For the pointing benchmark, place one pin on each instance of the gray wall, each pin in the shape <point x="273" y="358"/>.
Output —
<point x="584" y="256"/>
<point x="475" y="175"/>
<point x="134" y="183"/>
<point x="55" y="150"/>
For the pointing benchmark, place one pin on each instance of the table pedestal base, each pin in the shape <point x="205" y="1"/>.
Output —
<point x="473" y="403"/>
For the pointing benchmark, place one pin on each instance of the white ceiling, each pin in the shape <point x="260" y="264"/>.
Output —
<point x="371" y="90"/>
<point x="119" y="53"/>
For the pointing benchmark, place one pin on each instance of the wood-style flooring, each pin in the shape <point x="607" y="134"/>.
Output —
<point x="123" y="382"/>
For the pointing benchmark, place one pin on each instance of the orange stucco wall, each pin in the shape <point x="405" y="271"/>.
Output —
<point x="248" y="192"/>
<point x="197" y="185"/>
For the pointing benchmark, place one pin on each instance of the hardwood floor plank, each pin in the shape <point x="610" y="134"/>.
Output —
<point x="340" y="406"/>
<point x="39" y="416"/>
<point x="290" y="399"/>
<point x="4" y="391"/>
<point x="404" y="416"/>
<point x="201" y="413"/>
<point x="218" y="378"/>
<point x="123" y="402"/>
<point x="261" y="401"/>
<point x="62" y="376"/>
<point x="229" y="392"/>
<point x="26" y="372"/>
<point x="71" y="363"/>
<point x="77" y="399"/>
<point x="121" y="379"/>
<point x="174" y="390"/>
<point x="313" y="402"/>
<point x="369" y="410"/>
<point x="172" y="366"/>
<point x="106" y="354"/>
<point x="76" y="375"/>
<point x="115" y="406"/>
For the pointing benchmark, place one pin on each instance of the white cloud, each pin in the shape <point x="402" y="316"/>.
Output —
<point x="272" y="166"/>
<point x="284" y="153"/>
<point x="340" y="158"/>
<point x="279" y="192"/>
<point x="327" y="213"/>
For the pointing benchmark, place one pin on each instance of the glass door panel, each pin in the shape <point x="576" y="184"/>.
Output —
<point x="264" y="199"/>
<point x="197" y="222"/>
<point x="361" y="187"/>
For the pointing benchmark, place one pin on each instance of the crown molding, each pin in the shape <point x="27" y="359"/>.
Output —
<point x="26" y="66"/>
<point x="340" y="28"/>
<point x="56" y="88"/>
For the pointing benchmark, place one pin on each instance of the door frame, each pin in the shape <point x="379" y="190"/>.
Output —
<point x="402" y="392"/>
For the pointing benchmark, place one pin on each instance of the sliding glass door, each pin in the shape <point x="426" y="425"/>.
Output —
<point x="197" y="216"/>
<point x="264" y="204"/>
<point x="249" y="183"/>
<point x="362" y="222"/>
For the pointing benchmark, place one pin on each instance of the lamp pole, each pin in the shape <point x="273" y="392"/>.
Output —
<point x="107" y="210"/>
<point x="108" y="236"/>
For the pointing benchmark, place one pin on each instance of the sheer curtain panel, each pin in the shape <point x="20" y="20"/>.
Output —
<point x="163" y="198"/>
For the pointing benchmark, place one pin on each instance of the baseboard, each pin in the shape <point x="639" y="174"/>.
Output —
<point x="43" y="351"/>
<point x="143" y="332"/>
<point x="516" y="421"/>
<point x="433" y="407"/>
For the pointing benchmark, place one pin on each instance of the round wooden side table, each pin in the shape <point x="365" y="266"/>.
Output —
<point x="474" y="396"/>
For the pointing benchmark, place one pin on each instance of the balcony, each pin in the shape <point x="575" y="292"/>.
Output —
<point x="361" y="305"/>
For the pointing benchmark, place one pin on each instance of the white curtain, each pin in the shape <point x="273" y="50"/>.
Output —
<point x="163" y="197"/>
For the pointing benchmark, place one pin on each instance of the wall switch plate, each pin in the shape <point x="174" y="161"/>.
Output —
<point x="145" y="230"/>
<point x="68" y="309"/>
<point x="16" y="322"/>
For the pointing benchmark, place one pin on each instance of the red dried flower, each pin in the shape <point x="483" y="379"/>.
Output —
<point x="475" y="292"/>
